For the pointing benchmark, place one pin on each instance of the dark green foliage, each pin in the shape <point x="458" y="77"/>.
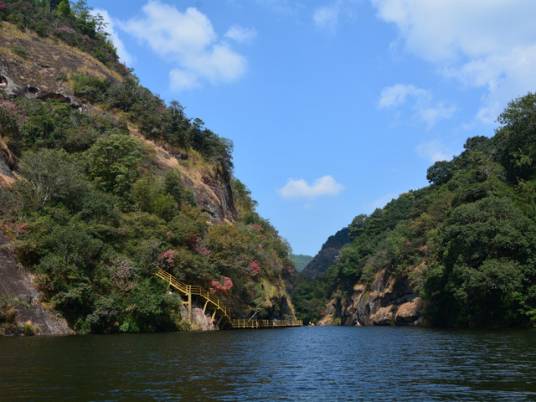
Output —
<point x="53" y="124"/>
<point x="515" y="140"/>
<point x="155" y="120"/>
<point x="472" y="234"/>
<point x="309" y="298"/>
<point x="51" y="177"/>
<point x="90" y="88"/>
<point x="439" y="173"/>
<point x="63" y="9"/>
<point x="113" y="163"/>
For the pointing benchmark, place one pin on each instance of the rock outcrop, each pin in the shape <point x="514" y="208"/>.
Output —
<point x="389" y="300"/>
<point x="17" y="289"/>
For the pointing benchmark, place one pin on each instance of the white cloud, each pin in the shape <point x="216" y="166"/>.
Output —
<point x="188" y="39"/>
<point x="397" y="95"/>
<point x="431" y="114"/>
<point x="488" y="44"/>
<point x="181" y="80"/>
<point x="122" y="52"/>
<point x="328" y="16"/>
<point x="434" y="151"/>
<point x="299" y="188"/>
<point x="241" y="34"/>
<point x="423" y="106"/>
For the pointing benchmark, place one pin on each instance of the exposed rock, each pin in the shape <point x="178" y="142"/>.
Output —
<point x="409" y="312"/>
<point x="202" y="322"/>
<point x="50" y="65"/>
<point x="388" y="300"/>
<point x="211" y="187"/>
<point x="60" y="97"/>
<point x="16" y="286"/>
<point x="31" y="91"/>
<point x="383" y="316"/>
<point x="7" y="163"/>
<point x="327" y="255"/>
<point x="332" y="313"/>
<point x="7" y="84"/>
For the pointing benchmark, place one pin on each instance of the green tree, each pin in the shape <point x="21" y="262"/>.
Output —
<point x="113" y="163"/>
<point x="63" y="8"/>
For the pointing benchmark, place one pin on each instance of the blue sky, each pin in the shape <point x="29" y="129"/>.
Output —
<point x="334" y="106"/>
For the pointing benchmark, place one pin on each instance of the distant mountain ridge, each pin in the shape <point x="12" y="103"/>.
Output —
<point x="300" y="261"/>
<point x="327" y="255"/>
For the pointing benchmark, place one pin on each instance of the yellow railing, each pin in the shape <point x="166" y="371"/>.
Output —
<point x="189" y="290"/>
<point x="218" y="306"/>
<point x="253" y="324"/>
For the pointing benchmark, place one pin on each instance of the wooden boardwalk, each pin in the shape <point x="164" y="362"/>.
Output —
<point x="259" y="324"/>
<point x="212" y="303"/>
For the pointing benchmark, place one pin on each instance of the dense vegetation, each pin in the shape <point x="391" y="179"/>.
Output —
<point x="94" y="214"/>
<point x="467" y="243"/>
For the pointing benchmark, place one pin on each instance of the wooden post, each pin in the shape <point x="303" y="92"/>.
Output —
<point x="205" y="307"/>
<point x="190" y="303"/>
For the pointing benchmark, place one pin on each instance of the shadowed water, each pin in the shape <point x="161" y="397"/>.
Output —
<point x="333" y="363"/>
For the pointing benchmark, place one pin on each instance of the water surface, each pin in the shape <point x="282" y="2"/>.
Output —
<point x="331" y="363"/>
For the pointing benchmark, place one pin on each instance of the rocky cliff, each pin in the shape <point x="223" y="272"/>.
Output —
<point x="42" y="72"/>
<point x="173" y="203"/>
<point x="389" y="300"/>
<point x="18" y="292"/>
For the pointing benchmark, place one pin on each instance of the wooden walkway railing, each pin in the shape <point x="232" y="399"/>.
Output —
<point x="254" y="324"/>
<point x="209" y="300"/>
<point x="189" y="291"/>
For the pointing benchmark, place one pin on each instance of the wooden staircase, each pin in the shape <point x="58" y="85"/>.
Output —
<point x="217" y="307"/>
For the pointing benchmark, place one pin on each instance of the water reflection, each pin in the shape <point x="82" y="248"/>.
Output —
<point x="289" y="364"/>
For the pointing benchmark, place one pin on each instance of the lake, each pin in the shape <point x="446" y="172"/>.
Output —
<point x="320" y="363"/>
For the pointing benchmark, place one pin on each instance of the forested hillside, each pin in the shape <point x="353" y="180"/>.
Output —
<point x="101" y="182"/>
<point x="458" y="253"/>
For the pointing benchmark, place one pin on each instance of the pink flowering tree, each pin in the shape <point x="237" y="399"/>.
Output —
<point x="254" y="268"/>
<point x="167" y="258"/>
<point x="224" y="285"/>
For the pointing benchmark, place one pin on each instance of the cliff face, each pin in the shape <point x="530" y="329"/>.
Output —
<point x="18" y="290"/>
<point x="389" y="300"/>
<point x="327" y="255"/>
<point x="42" y="72"/>
<point x="203" y="241"/>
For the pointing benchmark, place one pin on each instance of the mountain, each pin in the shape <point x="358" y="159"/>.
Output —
<point x="300" y="261"/>
<point x="327" y="255"/>
<point x="101" y="183"/>
<point x="458" y="253"/>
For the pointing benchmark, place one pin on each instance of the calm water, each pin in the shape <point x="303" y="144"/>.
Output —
<point x="329" y="364"/>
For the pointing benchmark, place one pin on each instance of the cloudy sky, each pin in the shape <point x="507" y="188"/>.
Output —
<point x="334" y="106"/>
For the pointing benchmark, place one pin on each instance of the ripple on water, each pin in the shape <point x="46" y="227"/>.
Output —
<point x="332" y="363"/>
